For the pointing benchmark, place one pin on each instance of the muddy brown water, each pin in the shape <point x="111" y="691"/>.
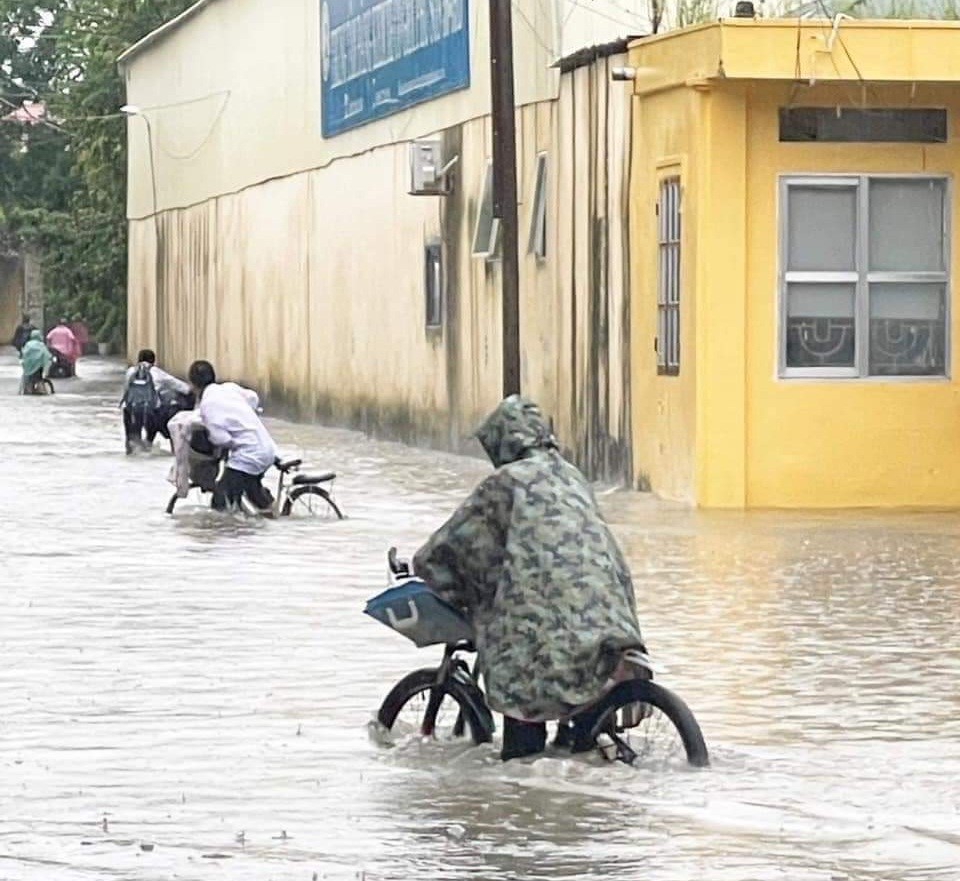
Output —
<point x="189" y="697"/>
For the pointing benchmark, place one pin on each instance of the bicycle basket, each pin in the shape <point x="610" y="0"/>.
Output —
<point x="416" y="612"/>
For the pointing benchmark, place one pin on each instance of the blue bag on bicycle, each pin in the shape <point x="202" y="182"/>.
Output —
<point x="417" y="613"/>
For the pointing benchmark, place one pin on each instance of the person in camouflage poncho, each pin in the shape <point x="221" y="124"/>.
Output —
<point x="530" y="560"/>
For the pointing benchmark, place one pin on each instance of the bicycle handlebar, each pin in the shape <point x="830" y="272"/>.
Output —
<point x="397" y="566"/>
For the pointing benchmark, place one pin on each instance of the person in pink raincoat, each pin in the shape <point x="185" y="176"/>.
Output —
<point x="61" y="340"/>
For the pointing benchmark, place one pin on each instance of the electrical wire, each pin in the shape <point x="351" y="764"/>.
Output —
<point x="797" y="67"/>
<point x="854" y="100"/>
<point x="550" y="50"/>
<point x="574" y="5"/>
<point x="185" y="102"/>
<point x="184" y="157"/>
<point x="12" y="80"/>
<point x="631" y="12"/>
<point x="606" y="15"/>
<point x="38" y="120"/>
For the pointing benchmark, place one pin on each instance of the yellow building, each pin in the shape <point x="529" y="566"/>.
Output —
<point x="792" y="250"/>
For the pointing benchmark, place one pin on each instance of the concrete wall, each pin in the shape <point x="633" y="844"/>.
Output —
<point x="233" y="98"/>
<point x="297" y="264"/>
<point x="11" y="296"/>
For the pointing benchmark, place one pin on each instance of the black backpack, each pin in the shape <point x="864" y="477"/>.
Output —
<point x="141" y="392"/>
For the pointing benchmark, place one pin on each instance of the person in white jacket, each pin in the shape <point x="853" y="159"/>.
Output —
<point x="229" y="413"/>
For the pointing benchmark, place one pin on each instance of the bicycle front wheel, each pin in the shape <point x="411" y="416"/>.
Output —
<point x="311" y="501"/>
<point x="651" y="723"/>
<point x="449" y="711"/>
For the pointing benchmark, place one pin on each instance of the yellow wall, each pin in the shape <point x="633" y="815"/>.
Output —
<point x="842" y="442"/>
<point x="729" y="432"/>
<point x="666" y="130"/>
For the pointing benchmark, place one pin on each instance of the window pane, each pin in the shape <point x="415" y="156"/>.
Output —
<point x="434" y="285"/>
<point x="822" y="224"/>
<point x="820" y="325"/>
<point x="907" y="330"/>
<point x="538" y="222"/>
<point x="906" y="225"/>
<point x="486" y="237"/>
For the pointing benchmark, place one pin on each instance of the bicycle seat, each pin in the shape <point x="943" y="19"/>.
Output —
<point x="288" y="466"/>
<point x="310" y="479"/>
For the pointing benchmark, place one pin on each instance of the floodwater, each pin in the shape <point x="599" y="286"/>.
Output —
<point x="189" y="697"/>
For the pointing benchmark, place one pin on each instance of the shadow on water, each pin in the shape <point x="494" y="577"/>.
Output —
<point x="201" y="685"/>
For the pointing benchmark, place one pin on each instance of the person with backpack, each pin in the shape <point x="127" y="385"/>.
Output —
<point x="23" y="333"/>
<point x="150" y="397"/>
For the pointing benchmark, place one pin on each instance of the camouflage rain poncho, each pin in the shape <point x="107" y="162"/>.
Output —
<point x="531" y="561"/>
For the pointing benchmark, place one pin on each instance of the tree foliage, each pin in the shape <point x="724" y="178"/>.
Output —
<point x="63" y="182"/>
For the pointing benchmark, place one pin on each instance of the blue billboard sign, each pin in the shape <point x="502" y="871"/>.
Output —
<point x="382" y="56"/>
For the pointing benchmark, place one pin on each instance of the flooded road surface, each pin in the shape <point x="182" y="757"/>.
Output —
<point x="189" y="697"/>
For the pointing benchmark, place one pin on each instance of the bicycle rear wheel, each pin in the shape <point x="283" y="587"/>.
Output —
<point x="650" y="724"/>
<point x="448" y="712"/>
<point x="311" y="501"/>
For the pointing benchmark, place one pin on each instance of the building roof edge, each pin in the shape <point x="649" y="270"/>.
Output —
<point x="162" y="32"/>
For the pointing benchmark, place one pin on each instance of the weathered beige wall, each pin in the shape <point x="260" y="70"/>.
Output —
<point x="318" y="299"/>
<point x="585" y="304"/>
<point x="235" y="98"/>
<point x="11" y="295"/>
<point x="297" y="265"/>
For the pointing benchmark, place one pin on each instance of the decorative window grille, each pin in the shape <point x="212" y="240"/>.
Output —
<point x="668" y="277"/>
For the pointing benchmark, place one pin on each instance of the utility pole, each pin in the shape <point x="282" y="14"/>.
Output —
<point x="505" y="183"/>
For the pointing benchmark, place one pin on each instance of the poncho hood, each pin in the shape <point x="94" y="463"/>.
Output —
<point x="513" y="430"/>
<point x="35" y="355"/>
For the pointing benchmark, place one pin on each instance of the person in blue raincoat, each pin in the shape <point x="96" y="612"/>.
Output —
<point x="35" y="358"/>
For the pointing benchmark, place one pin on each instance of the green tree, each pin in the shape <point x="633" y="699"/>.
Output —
<point x="63" y="182"/>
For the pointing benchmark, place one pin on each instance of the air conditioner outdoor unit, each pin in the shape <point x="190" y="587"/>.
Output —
<point x="428" y="174"/>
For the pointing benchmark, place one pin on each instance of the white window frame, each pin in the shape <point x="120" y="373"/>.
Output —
<point x="488" y="248"/>
<point x="433" y="274"/>
<point x="538" y="217"/>
<point x="861" y="277"/>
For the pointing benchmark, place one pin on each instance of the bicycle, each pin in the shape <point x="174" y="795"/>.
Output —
<point x="32" y="385"/>
<point x="634" y="719"/>
<point x="306" y="495"/>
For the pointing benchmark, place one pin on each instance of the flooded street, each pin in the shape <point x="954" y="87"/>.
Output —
<point x="188" y="697"/>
